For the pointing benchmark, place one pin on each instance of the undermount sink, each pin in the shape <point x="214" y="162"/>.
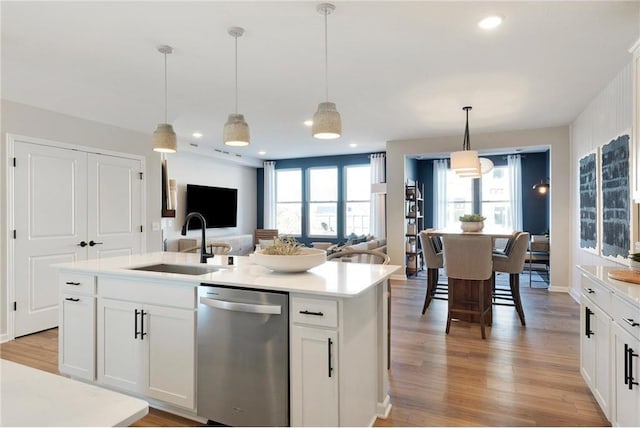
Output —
<point x="181" y="269"/>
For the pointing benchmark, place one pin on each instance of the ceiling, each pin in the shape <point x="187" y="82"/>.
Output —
<point x="397" y="70"/>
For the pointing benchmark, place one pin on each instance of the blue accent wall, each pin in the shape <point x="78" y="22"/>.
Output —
<point x="260" y="198"/>
<point x="535" y="207"/>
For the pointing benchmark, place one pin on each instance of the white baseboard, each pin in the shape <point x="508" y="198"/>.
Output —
<point x="4" y="338"/>
<point x="401" y="277"/>
<point x="555" y="289"/>
<point x="575" y="295"/>
<point x="384" y="408"/>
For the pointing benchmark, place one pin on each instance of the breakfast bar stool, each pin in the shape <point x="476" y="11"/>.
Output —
<point x="511" y="263"/>
<point x="432" y="250"/>
<point x="467" y="261"/>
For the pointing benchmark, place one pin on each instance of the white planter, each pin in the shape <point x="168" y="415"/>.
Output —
<point x="471" y="226"/>
<point x="310" y="258"/>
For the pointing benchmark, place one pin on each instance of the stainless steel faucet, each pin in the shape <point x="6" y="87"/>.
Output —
<point x="203" y="243"/>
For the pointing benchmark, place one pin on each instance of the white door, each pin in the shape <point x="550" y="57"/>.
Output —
<point x="50" y="213"/>
<point x="120" y="347"/>
<point x="170" y="343"/>
<point x="114" y="206"/>
<point x="69" y="205"/>
<point x="314" y="377"/>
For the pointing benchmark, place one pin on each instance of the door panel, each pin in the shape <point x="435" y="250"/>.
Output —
<point x="115" y="206"/>
<point x="50" y="221"/>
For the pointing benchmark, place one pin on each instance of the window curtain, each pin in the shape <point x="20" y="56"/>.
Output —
<point x="378" y="215"/>
<point x="514" y="168"/>
<point x="269" y="195"/>
<point x="440" y="168"/>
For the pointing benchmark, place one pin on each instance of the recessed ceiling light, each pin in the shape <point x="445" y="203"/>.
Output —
<point x="490" y="22"/>
<point x="308" y="122"/>
<point x="262" y="153"/>
<point x="197" y="135"/>
<point x="353" y="145"/>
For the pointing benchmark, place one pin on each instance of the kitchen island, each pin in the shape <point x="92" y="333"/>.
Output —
<point x="134" y="330"/>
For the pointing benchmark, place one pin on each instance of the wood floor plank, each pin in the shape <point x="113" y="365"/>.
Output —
<point x="519" y="376"/>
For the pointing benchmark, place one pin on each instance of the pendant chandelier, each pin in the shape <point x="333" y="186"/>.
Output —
<point x="327" y="124"/>
<point x="465" y="162"/>
<point x="236" y="130"/>
<point x="164" y="138"/>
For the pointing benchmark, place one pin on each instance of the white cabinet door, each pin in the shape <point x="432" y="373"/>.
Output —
<point x="626" y="349"/>
<point x="314" y="377"/>
<point x="50" y="217"/>
<point x="595" y="353"/>
<point x="115" y="206"/>
<point x="76" y="340"/>
<point x="120" y="350"/>
<point x="170" y="347"/>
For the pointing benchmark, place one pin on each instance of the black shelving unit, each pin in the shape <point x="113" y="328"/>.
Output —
<point x="414" y="223"/>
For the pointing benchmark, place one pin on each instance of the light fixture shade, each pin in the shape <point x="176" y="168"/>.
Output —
<point x="486" y="165"/>
<point x="236" y="131"/>
<point x="465" y="160"/>
<point x="164" y="139"/>
<point x="542" y="188"/>
<point x="327" y="124"/>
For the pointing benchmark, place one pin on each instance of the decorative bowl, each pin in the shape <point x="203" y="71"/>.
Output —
<point x="309" y="258"/>
<point x="472" y="226"/>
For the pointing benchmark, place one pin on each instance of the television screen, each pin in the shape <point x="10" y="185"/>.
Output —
<point x="218" y="205"/>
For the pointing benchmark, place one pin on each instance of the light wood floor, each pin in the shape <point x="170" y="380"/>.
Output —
<point x="519" y="376"/>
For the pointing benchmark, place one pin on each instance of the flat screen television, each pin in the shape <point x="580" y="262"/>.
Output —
<point x="218" y="205"/>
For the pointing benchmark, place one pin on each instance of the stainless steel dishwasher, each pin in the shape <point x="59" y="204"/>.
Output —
<point x="243" y="356"/>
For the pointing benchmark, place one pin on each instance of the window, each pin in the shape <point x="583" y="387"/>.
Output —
<point x="289" y="201"/>
<point x="459" y="197"/>
<point x="496" y="198"/>
<point x="358" y="199"/>
<point x="323" y="201"/>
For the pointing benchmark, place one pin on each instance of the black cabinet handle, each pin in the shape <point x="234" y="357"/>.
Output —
<point x="82" y="244"/>
<point x="329" y="343"/>
<point x="587" y="321"/>
<point x="72" y="283"/>
<point x="135" y="323"/>
<point x="92" y="243"/>
<point x="630" y="354"/>
<point x="142" y="333"/>
<point x="631" y="322"/>
<point x="590" y="291"/>
<point x="319" y="314"/>
<point x="71" y="299"/>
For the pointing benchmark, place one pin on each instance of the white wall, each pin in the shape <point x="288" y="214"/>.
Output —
<point x="607" y="116"/>
<point x="557" y="139"/>
<point x="189" y="168"/>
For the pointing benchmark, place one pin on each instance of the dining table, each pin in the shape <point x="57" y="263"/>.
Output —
<point x="466" y="291"/>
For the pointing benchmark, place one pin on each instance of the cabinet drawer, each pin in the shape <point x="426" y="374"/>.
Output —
<point x="78" y="283"/>
<point x="597" y="293"/>
<point x="627" y="316"/>
<point x="319" y="312"/>
<point x="172" y="293"/>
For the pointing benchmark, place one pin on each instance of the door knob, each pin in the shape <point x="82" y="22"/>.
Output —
<point x="82" y="244"/>
<point x="92" y="243"/>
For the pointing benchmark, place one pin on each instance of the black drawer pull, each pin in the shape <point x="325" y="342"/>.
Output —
<point x="590" y="291"/>
<point x="71" y="299"/>
<point x="142" y="333"/>
<point x="587" y="320"/>
<point x="329" y="343"/>
<point x="318" y="314"/>
<point x="631" y="322"/>
<point x="135" y="323"/>
<point x="628" y="366"/>
<point x="72" y="283"/>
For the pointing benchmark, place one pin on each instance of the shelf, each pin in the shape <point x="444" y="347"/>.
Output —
<point x="413" y="217"/>
<point x="408" y="253"/>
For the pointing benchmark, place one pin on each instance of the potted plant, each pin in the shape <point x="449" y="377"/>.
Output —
<point x="471" y="222"/>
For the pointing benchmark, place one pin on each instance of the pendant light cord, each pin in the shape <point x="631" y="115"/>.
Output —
<point x="326" y="57"/>
<point x="236" y="37"/>
<point x="466" y="142"/>
<point x="166" y="102"/>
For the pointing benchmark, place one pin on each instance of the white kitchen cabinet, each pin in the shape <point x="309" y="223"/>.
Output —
<point x="595" y="339"/>
<point x="314" y="376"/>
<point x="147" y="348"/>
<point x="77" y="315"/>
<point x="626" y="364"/>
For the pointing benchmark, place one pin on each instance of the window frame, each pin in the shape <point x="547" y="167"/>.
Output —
<point x="300" y="201"/>
<point x="309" y="201"/>
<point x="346" y="200"/>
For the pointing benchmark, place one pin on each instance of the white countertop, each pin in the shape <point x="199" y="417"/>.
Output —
<point x="32" y="397"/>
<point x="330" y="279"/>
<point x="626" y="290"/>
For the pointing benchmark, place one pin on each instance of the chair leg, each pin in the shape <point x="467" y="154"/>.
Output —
<point x="530" y="273"/>
<point x="449" y="306"/>
<point x="430" y="290"/>
<point x="514" y="283"/>
<point x="482" y="309"/>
